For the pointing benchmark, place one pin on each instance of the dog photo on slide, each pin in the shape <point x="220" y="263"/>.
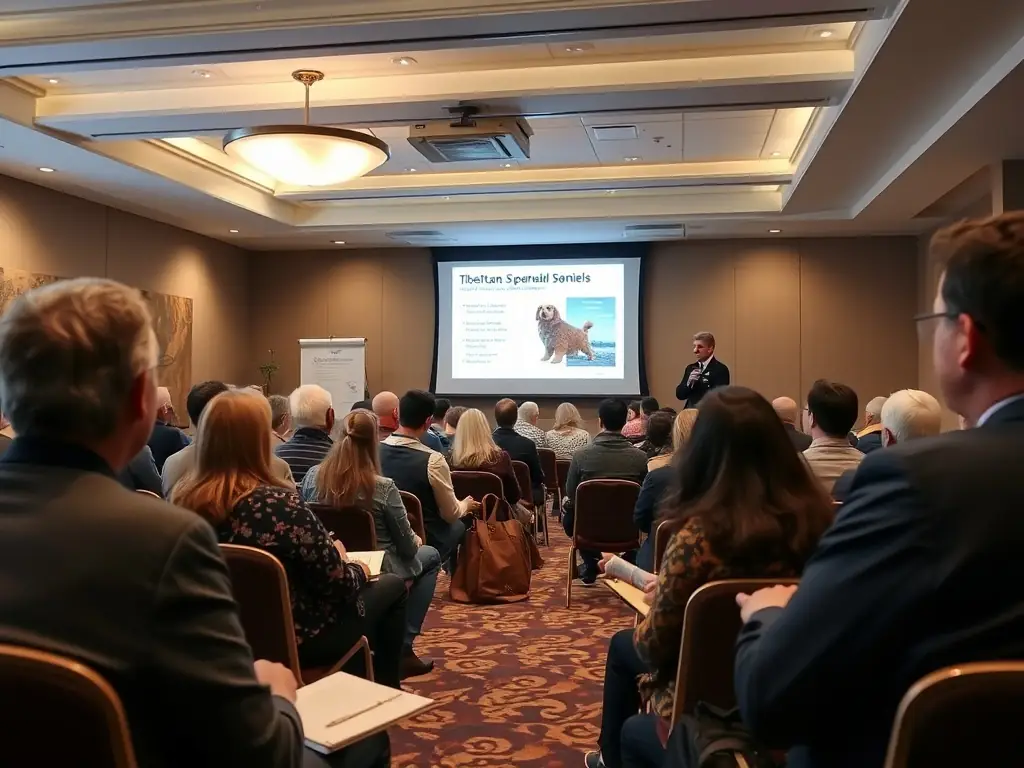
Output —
<point x="559" y="338"/>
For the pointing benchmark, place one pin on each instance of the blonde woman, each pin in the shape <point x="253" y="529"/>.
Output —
<point x="350" y="476"/>
<point x="657" y="484"/>
<point x="568" y="435"/>
<point x="474" y="449"/>
<point x="234" y="489"/>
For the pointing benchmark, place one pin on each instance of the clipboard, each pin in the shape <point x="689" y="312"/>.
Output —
<point x="629" y="594"/>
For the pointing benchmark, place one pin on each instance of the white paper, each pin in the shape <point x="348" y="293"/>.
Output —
<point x="337" y="365"/>
<point x="373" y="560"/>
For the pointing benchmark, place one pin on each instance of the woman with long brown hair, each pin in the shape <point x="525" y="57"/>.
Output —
<point x="233" y="488"/>
<point x="749" y="508"/>
<point x="350" y="476"/>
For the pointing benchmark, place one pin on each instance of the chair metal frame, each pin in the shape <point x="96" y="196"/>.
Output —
<point x="79" y="680"/>
<point x="267" y="560"/>
<point x="526" y="496"/>
<point x="562" y="479"/>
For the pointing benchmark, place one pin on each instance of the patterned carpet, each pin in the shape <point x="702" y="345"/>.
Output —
<point x="519" y="684"/>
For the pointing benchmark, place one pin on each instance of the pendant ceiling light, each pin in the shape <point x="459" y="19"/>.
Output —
<point x="307" y="155"/>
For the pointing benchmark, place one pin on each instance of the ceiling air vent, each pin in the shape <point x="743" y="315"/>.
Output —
<point x="614" y="132"/>
<point x="655" y="230"/>
<point x="492" y="139"/>
<point x="420" y="236"/>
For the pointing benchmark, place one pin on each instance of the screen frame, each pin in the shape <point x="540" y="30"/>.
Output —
<point x="573" y="252"/>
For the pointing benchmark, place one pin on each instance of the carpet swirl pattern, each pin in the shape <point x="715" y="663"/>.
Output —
<point x="519" y="684"/>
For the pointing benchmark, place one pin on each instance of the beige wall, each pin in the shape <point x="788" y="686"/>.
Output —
<point x="52" y="233"/>
<point x="784" y="312"/>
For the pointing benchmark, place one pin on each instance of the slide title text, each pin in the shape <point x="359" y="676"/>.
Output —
<point x="540" y="278"/>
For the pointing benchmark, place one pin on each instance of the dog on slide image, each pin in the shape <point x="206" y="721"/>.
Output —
<point x="559" y="338"/>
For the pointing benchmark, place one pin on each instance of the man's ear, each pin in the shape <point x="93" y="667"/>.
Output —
<point x="888" y="438"/>
<point x="329" y="418"/>
<point x="971" y="342"/>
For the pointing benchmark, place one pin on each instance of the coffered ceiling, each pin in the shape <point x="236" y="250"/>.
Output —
<point x="695" y="118"/>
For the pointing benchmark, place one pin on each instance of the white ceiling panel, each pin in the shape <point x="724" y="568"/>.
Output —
<point x="657" y="143"/>
<point x="787" y="130"/>
<point x="739" y="137"/>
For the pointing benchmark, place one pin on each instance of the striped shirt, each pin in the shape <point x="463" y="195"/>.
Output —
<point x="304" y="450"/>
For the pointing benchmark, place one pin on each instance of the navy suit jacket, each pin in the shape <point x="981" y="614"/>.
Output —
<point x="921" y="569"/>
<point x="716" y="375"/>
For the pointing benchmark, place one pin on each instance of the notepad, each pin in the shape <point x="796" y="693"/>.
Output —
<point x="341" y="709"/>
<point x="373" y="560"/>
<point x="632" y="596"/>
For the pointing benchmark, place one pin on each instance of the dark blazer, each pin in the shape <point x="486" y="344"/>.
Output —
<point x="921" y="569"/>
<point x="141" y="474"/>
<point x="716" y="375"/>
<point x="522" y="449"/>
<point x="654" y="489"/>
<point x="166" y="440"/>
<point x="136" y="589"/>
<point x="800" y="440"/>
<point x="843" y="484"/>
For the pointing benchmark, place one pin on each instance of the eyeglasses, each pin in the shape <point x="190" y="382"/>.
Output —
<point x="933" y="315"/>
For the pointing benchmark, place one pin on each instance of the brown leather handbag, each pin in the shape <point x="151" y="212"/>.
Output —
<point x="497" y="558"/>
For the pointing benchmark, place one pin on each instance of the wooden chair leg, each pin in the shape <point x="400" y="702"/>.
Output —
<point x="572" y="570"/>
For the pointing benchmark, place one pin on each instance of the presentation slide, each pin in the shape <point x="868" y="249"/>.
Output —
<point x="539" y="327"/>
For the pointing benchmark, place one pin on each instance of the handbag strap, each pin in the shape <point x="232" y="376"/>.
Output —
<point x="489" y="505"/>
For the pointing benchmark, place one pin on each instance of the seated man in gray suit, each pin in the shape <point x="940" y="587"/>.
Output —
<point x="123" y="582"/>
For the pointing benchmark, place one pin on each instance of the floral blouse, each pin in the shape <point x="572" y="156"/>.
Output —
<point x="319" y="581"/>
<point x="565" y="444"/>
<point x="688" y="564"/>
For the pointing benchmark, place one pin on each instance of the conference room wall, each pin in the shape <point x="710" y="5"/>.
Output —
<point x="52" y="233"/>
<point x="785" y="312"/>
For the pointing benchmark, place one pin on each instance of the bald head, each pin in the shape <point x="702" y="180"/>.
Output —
<point x="786" y="408"/>
<point x="385" y="406"/>
<point x="873" y="411"/>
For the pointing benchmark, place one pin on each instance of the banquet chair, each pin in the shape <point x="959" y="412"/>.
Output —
<point x="603" y="521"/>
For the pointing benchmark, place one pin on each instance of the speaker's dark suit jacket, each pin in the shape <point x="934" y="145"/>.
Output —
<point x="138" y="590"/>
<point x="716" y="375"/>
<point x="921" y="569"/>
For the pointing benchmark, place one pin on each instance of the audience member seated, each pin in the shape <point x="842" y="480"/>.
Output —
<point x="280" y="419"/>
<point x="609" y="456"/>
<point x="831" y="412"/>
<point x="518" y="446"/>
<point x="567" y="435"/>
<point x="125" y="583"/>
<point x="385" y="408"/>
<point x="922" y="567"/>
<point x="870" y="437"/>
<point x="182" y="462"/>
<point x="526" y="424"/>
<point x="349" y="477"/>
<point x="232" y="488"/>
<point x="424" y="473"/>
<point x="636" y="422"/>
<point x="441" y="406"/>
<point x="361" y="405"/>
<point x="749" y="509"/>
<point x="658" y="482"/>
<point x="658" y="438"/>
<point x="140" y="474"/>
<point x="474" y="449"/>
<point x="789" y="413"/>
<point x="451" y="422"/>
<point x="906" y="415"/>
<point x="648" y="407"/>
<point x="166" y="439"/>
<point x="312" y="413"/>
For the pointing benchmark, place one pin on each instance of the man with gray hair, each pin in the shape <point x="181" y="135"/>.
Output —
<point x="870" y="437"/>
<point x="280" y="419"/>
<point x="312" y="413"/>
<point x="705" y="374"/>
<point x="526" y="424"/>
<point x="906" y="415"/>
<point x="80" y="554"/>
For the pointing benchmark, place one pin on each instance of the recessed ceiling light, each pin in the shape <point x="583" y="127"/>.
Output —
<point x="410" y="170"/>
<point x="610" y="191"/>
<point x="776" y="154"/>
<point x="404" y="61"/>
<point x="446" y="197"/>
<point x="824" y="34"/>
<point x="53" y="81"/>
<point x="633" y="159"/>
<point x="233" y="231"/>
<point x="774" y="231"/>
<point x="579" y="47"/>
<point x="506" y="165"/>
<point x="338" y="242"/>
<point x="46" y="170"/>
<point x="205" y="74"/>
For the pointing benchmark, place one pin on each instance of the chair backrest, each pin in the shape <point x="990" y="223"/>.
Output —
<point x="711" y="623"/>
<point x="663" y="533"/>
<point x="148" y="493"/>
<point x="353" y="526"/>
<point x="523" y="480"/>
<point x="260" y="587"/>
<point x="604" y="515"/>
<point x="414" y="510"/>
<point x="549" y="466"/>
<point x="476" y="484"/>
<point x="71" y="705"/>
<point x="562" y="471"/>
<point x="964" y="715"/>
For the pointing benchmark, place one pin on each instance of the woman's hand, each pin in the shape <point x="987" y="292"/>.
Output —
<point x="341" y="549"/>
<point x="649" y="588"/>
<point x="603" y="562"/>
